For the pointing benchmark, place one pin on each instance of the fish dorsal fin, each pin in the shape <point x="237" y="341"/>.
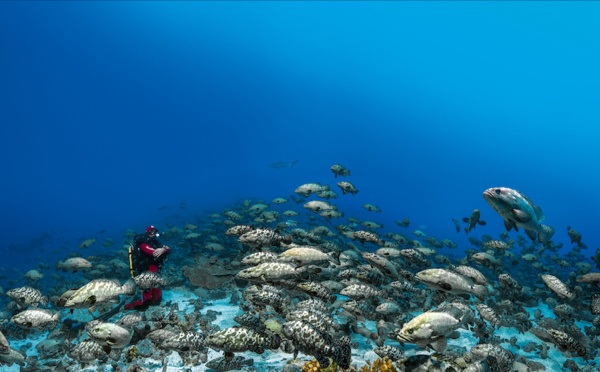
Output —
<point x="521" y="216"/>
<point x="538" y="213"/>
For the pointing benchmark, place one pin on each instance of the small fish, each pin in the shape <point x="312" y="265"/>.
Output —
<point x="239" y="339"/>
<point x="110" y="335"/>
<point x="509" y="282"/>
<point x="148" y="279"/>
<point x="339" y="170"/>
<point x="36" y="318"/>
<point x="331" y="214"/>
<point x="388" y="308"/>
<point x="318" y="206"/>
<point x="27" y="296"/>
<point x="310" y="188"/>
<point x="371" y="225"/>
<point x="239" y="230"/>
<point x="429" y="329"/>
<point x="283" y="164"/>
<point x="360" y="291"/>
<point x="224" y="364"/>
<point x="88" y="351"/>
<point x="371" y="208"/>
<point x="266" y="297"/>
<point x="315" y="289"/>
<point x="279" y="201"/>
<point x="313" y="318"/>
<point x="574" y="235"/>
<point x="73" y="264"/>
<point x="486" y="259"/>
<point x="98" y="291"/>
<point x="503" y="359"/>
<point x="257" y="258"/>
<point x="495" y="244"/>
<point x="473" y="221"/>
<point x="185" y="341"/>
<point x="250" y="321"/>
<point x="309" y="340"/>
<point x="404" y="223"/>
<point x="391" y="352"/>
<point x="347" y="187"/>
<point x="382" y="263"/>
<point x="160" y="335"/>
<point x="472" y="273"/>
<point x="558" y="287"/>
<point x="264" y="237"/>
<point x="86" y="243"/>
<point x="489" y="314"/>
<point x="366" y="236"/>
<point x="566" y="343"/>
<point x="456" y="225"/>
<point x="131" y="319"/>
<point x="451" y="282"/>
<point x="274" y="271"/>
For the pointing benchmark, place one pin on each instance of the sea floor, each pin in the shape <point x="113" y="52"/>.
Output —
<point x="275" y="361"/>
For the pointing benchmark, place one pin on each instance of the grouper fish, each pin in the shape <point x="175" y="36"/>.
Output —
<point x="518" y="211"/>
<point x="98" y="291"/>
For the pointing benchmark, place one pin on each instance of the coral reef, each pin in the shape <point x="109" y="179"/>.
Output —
<point x="379" y="365"/>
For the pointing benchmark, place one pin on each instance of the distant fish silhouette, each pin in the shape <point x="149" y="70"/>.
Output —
<point x="283" y="164"/>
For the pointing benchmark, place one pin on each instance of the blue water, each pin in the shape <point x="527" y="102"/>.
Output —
<point x="112" y="110"/>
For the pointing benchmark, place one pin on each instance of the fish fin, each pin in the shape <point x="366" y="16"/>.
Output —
<point x="91" y="300"/>
<point x="466" y="219"/>
<point x="446" y="287"/>
<point x="538" y="213"/>
<point x="509" y="225"/>
<point x="422" y="344"/>
<point x="454" y="335"/>
<point x="482" y="223"/>
<point x="439" y="344"/>
<point x="521" y="216"/>
<point x="532" y="235"/>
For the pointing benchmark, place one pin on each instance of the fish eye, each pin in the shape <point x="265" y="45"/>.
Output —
<point x="410" y="331"/>
<point x="498" y="191"/>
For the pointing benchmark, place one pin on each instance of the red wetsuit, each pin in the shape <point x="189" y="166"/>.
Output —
<point x="152" y="295"/>
<point x="150" y="251"/>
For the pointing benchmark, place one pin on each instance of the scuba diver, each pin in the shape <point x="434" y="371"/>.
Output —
<point x="147" y="254"/>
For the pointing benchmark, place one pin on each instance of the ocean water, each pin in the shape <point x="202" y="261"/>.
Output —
<point x="120" y="115"/>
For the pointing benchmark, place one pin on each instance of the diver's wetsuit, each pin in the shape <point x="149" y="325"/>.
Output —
<point x="147" y="262"/>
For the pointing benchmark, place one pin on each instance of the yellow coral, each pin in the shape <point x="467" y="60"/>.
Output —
<point x="379" y="365"/>
<point x="314" y="366"/>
